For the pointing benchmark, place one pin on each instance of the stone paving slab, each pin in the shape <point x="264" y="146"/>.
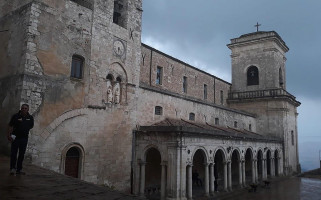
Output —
<point x="42" y="184"/>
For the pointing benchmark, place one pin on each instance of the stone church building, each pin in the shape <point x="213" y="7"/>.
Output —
<point x="113" y="111"/>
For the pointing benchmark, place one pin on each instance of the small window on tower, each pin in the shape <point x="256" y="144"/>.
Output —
<point x="158" y="110"/>
<point x="159" y="75"/>
<point x="222" y="97"/>
<point x="192" y="116"/>
<point x="252" y="76"/>
<point x="120" y="14"/>
<point x="250" y="127"/>
<point x="292" y="137"/>
<point x="235" y="124"/>
<point x="280" y="77"/>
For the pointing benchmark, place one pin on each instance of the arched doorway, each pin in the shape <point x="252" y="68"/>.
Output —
<point x="236" y="169"/>
<point x="248" y="166"/>
<point x="268" y="163"/>
<point x="153" y="172"/>
<point x="219" y="160"/>
<point x="260" y="165"/>
<point x="276" y="162"/>
<point x="72" y="162"/>
<point x="198" y="173"/>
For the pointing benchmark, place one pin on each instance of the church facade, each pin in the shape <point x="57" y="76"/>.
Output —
<point x="113" y="111"/>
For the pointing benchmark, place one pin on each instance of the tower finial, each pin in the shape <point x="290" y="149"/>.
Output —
<point x="257" y="26"/>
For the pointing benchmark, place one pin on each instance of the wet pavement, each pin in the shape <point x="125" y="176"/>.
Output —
<point x="41" y="184"/>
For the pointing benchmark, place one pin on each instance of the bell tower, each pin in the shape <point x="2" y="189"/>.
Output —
<point x="259" y="87"/>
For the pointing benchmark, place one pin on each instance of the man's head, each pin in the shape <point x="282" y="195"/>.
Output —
<point x="24" y="109"/>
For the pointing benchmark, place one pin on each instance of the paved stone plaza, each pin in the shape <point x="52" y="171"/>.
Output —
<point x="40" y="184"/>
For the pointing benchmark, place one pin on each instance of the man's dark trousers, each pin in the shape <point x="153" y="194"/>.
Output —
<point x="21" y="145"/>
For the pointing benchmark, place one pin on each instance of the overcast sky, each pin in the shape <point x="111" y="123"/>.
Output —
<point x="197" y="32"/>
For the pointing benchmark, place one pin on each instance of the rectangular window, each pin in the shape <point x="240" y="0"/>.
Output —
<point x="250" y="127"/>
<point x="205" y="91"/>
<point x="158" y="110"/>
<point x="217" y="121"/>
<point x="222" y="98"/>
<point x="159" y="75"/>
<point x="119" y="16"/>
<point x="184" y="84"/>
<point x="292" y="137"/>
<point x="192" y="116"/>
<point x="76" y="67"/>
<point x="235" y="124"/>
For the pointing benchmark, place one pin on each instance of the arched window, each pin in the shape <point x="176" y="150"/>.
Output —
<point x="252" y="76"/>
<point x="192" y="116"/>
<point x="158" y="110"/>
<point x="77" y="66"/>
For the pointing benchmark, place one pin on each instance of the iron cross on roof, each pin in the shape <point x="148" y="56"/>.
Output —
<point x="257" y="26"/>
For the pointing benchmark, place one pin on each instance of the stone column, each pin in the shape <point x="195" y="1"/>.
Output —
<point x="240" y="173"/>
<point x="142" y="179"/>
<point x="189" y="182"/>
<point x="212" y="178"/>
<point x="206" y="184"/>
<point x="229" y="175"/>
<point x="272" y="167"/>
<point x="253" y="171"/>
<point x="243" y="171"/>
<point x="264" y="169"/>
<point x="225" y="176"/>
<point x="256" y="172"/>
<point x="163" y="182"/>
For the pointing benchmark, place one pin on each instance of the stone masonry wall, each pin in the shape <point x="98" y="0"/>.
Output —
<point x="173" y="72"/>
<point x="179" y="108"/>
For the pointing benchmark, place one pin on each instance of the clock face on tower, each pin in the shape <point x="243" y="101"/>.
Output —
<point x="119" y="48"/>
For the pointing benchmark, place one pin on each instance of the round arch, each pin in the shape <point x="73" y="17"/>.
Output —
<point x="79" y="165"/>
<point x="204" y="152"/>
<point x="147" y="148"/>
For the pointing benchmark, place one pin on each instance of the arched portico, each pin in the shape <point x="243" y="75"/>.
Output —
<point x="220" y="170"/>
<point x="249" y="167"/>
<point x="259" y="166"/>
<point x="200" y="174"/>
<point x="152" y="179"/>
<point x="236" y="169"/>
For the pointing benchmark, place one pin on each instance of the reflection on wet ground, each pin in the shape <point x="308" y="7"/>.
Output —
<point x="44" y="184"/>
<point x="293" y="188"/>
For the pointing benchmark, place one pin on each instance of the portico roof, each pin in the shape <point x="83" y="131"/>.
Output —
<point x="186" y="127"/>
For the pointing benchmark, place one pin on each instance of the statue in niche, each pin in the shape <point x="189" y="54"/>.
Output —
<point x="109" y="92"/>
<point x="116" y="93"/>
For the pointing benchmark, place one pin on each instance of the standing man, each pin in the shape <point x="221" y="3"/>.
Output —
<point x="19" y="127"/>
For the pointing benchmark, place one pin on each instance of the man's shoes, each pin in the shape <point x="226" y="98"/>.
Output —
<point x="20" y="173"/>
<point x="12" y="171"/>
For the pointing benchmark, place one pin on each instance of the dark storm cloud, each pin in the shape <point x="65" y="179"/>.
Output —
<point x="198" y="31"/>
